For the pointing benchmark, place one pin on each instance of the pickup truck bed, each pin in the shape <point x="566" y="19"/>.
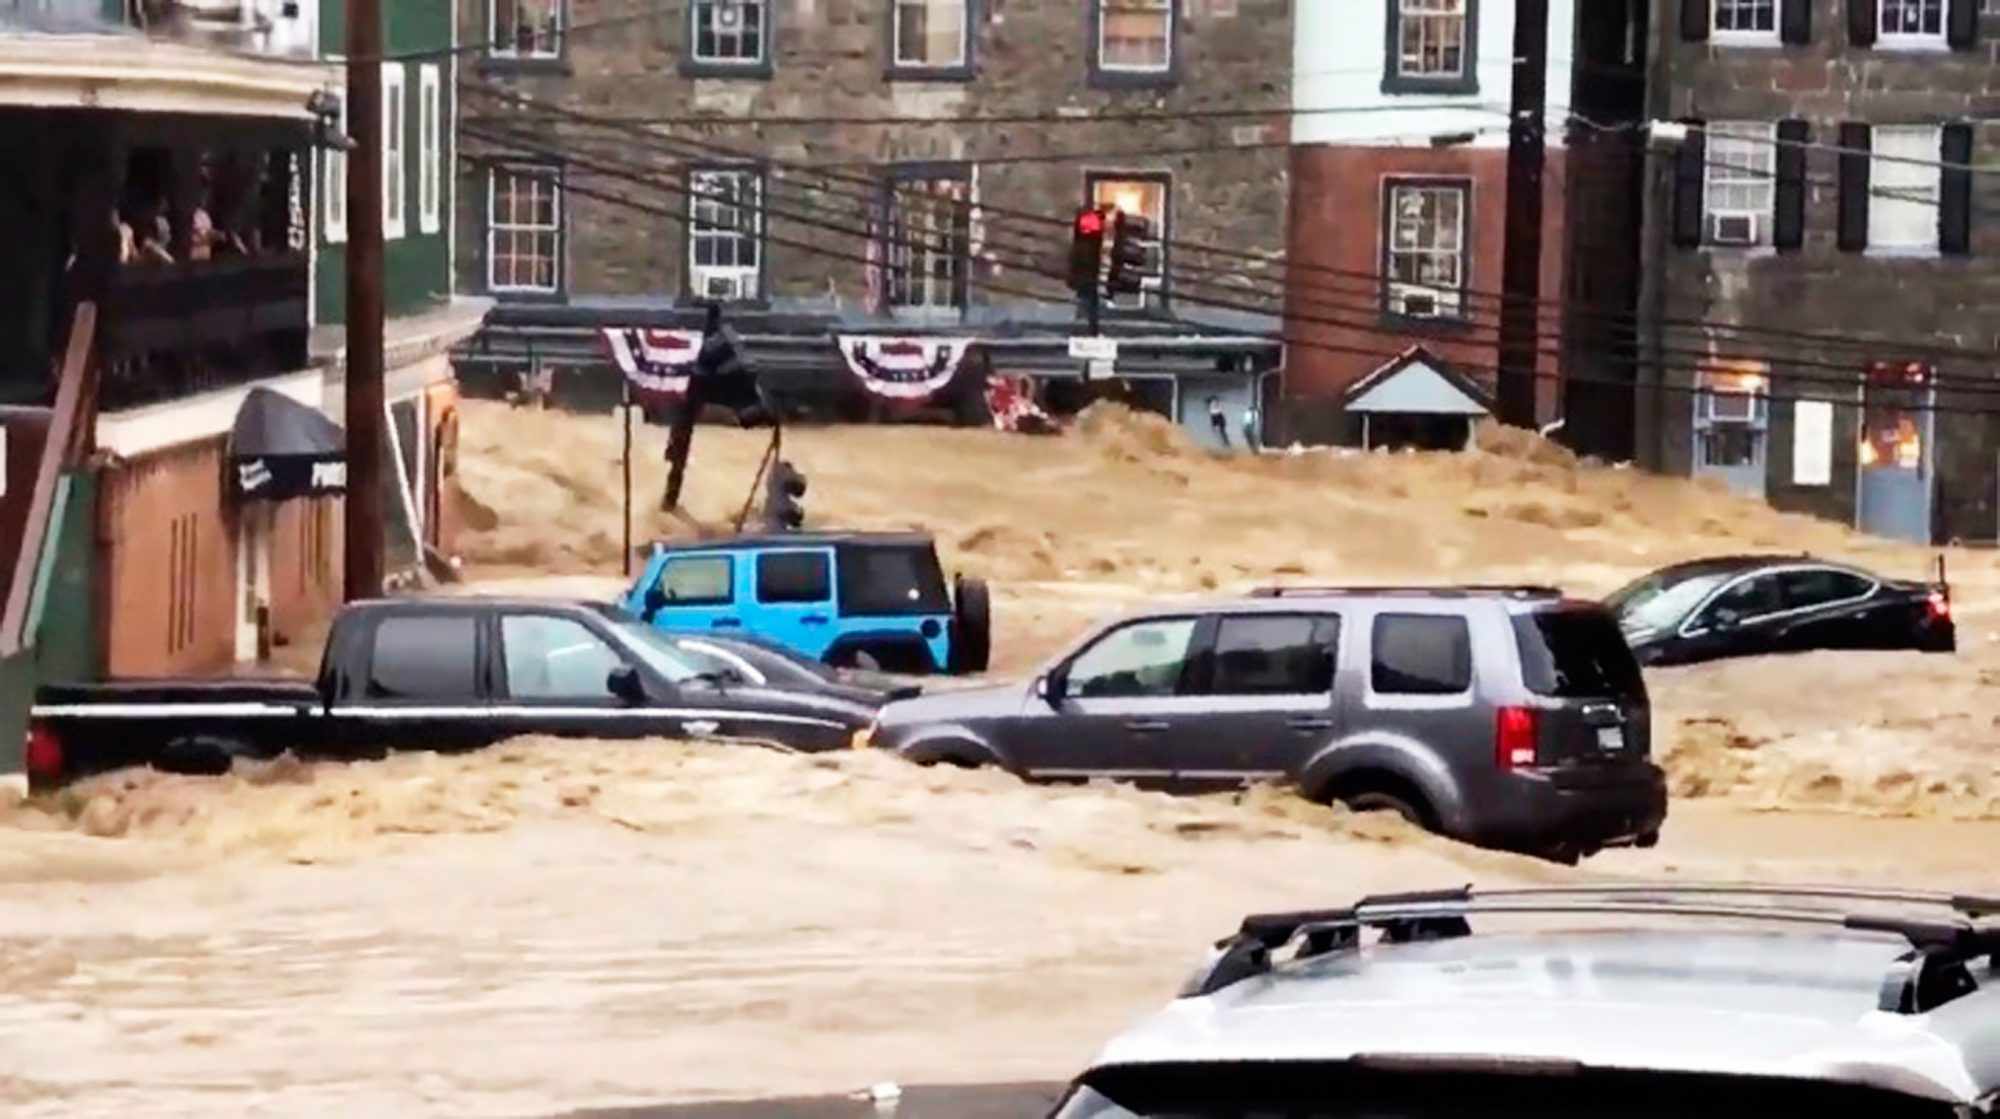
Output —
<point x="435" y="674"/>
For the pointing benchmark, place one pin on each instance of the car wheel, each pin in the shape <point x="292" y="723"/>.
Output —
<point x="1385" y="802"/>
<point x="972" y="626"/>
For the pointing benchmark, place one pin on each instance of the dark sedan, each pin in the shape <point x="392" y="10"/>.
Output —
<point x="1740" y="606"/>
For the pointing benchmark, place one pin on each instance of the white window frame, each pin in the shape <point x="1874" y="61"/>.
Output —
<point x="1728" y="36"/>
<point x="1406" y="18"/>
<point x="552" y="177"/>
<point x="1450" y="302"/>
<point x="430" y="148"/>
<point x="748" y="278"/>
<point x="912" y="259"/>
<point x="395" y="152"/>
<point x="1760" y="140"/>
<point x="333" y="162"/>
<point x="964" y="36"/>
<point x="512" y="50"/>
<point x="1888" y="38"/>
<point x="1167" y="9"/>
<point x="695" y="10"/>
<point x="1889" y="179"/>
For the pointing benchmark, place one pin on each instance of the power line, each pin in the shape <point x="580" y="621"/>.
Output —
<point x="642" y="178"/>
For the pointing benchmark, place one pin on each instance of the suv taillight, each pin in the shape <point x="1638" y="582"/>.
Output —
<point x="1514" y="737"/>
<point x="43" y="757"/>
<point x="1940" y="606"/>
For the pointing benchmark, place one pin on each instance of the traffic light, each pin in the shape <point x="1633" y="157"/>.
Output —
<point x="1129" y="233"/>
<point x="1086" y="251"/>
<point x="782" y="493"/>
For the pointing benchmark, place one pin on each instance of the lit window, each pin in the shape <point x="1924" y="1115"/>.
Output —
<point x="926" y="241"/>
<point x="1426" y="249"/>
<point x="1135" y="35"/>
<point x="1750" y="17"/>
<point x="1146" y="198"/>
<point x="1904" y="183"/>
<point x="524" y="229"/>
<point x="1431" y="38"/>
<point x="1741" y="183"/>
<point x="525" y="28"/>
<point x="730" y="31"/>
<point x="725" y="231"/>
<point x="930" y="33"/>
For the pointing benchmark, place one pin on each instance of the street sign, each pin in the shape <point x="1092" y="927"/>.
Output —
<point x="1083" y="348"/>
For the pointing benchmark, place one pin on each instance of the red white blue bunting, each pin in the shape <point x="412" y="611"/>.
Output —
<point x="657" y="363"/>
<point x="907" y="369"/>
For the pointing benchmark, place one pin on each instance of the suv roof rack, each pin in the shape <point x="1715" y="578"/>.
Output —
<point x="1455" y="590"/>
<point x="1932" y="973"/>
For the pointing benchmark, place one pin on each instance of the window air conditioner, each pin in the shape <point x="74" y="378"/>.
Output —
<point x="1420" y="302"/>
<point x="1733" y="229"/>
<point x="726" y="284"/>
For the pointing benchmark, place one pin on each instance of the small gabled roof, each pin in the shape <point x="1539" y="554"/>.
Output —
<point x="1417" y="381"/>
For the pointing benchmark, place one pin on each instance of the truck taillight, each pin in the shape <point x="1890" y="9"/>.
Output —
<point x="1940" y="606"/>
<point x="43" y="757"/>
<point x="1514" y="737"/>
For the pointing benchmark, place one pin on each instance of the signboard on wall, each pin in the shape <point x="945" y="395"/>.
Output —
<point x="1812" y="443"/>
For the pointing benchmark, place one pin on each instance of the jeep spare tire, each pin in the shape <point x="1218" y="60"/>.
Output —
<point x="972" y="625"/>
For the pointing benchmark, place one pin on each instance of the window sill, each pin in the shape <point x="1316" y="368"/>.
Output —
<point x="688" y="300"/>
<point x="1404" y="85"/>
<point x="1743" y="252"/>
<point x="553" y="65"/>
<point x="1101" y="78"/>
<point x="1426" y="324"/>
<point x="903" y="72"/>
<point x="1766" y="40"/>
<point x="526" y="295"/>
<point x="1914" y="44"/>
<point x="927" y="316"/>
<point x="1903" y="252"/>
<point x="739" y="71"/>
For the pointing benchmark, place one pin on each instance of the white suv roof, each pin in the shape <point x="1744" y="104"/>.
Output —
<point x="1792" y="991"/>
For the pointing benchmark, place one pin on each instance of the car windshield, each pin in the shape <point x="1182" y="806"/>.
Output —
<point x="658" y="650"/>
<point x="1276" y="1091"/>
<point x="1662" y="599"/>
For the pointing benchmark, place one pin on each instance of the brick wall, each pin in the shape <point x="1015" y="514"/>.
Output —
<point x="306" y="541"/>
<point x="1030" y="58"/>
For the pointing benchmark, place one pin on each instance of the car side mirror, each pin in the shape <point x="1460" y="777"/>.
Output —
<point x="1052" y="687"/>
<point x="624" y="682"/>
<point x="656" y="598"/>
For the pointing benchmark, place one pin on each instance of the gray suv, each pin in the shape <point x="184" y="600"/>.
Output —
<point x="1509" y="717"/>
<point x="1721" y="1001"/>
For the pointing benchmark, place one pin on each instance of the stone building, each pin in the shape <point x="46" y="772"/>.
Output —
<point x="875" y="189"/>
<point x="1822" y="259"/>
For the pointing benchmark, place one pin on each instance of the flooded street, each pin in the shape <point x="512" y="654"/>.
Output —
<point x="551" y="927"/>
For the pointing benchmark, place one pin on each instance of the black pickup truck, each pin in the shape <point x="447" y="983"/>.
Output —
<point x="438" y="674"/>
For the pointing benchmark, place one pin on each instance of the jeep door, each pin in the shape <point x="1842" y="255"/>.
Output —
<point x="791" y="599"/>
<point x="1123" y="701"/>
<point x="695" y="591"/>
<point x="1267" y="687"/>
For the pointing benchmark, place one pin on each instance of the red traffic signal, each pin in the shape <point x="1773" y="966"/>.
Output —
<point x="1086" y="251"/>
<point x="1090" y="223"/>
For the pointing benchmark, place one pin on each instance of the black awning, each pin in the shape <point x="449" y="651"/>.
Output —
<point x="282" y="449"/>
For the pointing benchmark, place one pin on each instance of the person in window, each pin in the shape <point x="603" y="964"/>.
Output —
<point x="151" y="234"/>
<point x="1218" y="420"/>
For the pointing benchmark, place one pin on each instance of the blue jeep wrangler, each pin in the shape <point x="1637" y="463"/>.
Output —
<point x="852" y="600"/>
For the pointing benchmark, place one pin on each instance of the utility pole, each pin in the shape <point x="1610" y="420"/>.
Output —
<point x="365" y="504"/>
<point x="1521" y="270"/>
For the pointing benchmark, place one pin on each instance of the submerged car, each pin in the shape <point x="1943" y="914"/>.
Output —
<point x="1723" y="1001"/>
<point x="1739" y="606"/>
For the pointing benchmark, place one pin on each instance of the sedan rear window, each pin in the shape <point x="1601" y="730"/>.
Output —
<point x="1576" y="654"/>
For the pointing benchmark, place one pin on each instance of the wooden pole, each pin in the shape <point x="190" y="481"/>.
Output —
<point x="1521" y="265"/>
<point x="365" y="407"/>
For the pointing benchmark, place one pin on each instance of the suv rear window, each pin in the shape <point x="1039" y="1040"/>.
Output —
<point x="1421" y="654"/>
<point x="1576" y="654"/>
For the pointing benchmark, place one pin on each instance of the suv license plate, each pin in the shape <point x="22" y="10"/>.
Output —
<point x="1610" y="739"/>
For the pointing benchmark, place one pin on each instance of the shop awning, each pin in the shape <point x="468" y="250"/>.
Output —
<point x="281" y="449"/>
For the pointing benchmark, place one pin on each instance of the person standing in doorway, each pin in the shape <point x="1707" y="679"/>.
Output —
<point x="1219" y="420"/>
<point x="1250" y="427"/>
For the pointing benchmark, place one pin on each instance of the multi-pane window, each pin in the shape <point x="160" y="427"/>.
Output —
<point x="1904" y="182"/>
<point x="1741" y="183"/>
<point x="525" y="28"/>
<point x="1431" y="38"/>
<point x="395" y="152"/>
<point x="1750" y="16"/>
<point x="524" y="228"/>
<point x="731" y="31"/>
<point x="725" y="231"/>
<point x="925" y="247"/>
<point x="1425" y="248"/>
<point x="1912" y="19"/>
<point x="1146" y="198"/>
<point x="430" y="156"/>
<point x="1135" y="34"/>
<point x="930" y="33"/>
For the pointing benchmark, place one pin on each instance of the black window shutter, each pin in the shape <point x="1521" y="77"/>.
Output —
<point x="1862" y="21"/>
<point x="1854" y="143"/>
<point x="1689" y="182"/>
<point x="1796" y="21"/>
<point x="1695" y="20"/>
<point x="1955" y="195"/>
<point x="1962" y="24"/>
<point x="1788" y="230"/>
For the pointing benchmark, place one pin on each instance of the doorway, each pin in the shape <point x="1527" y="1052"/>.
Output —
<point x="253" y="579"/>
<point x="1732" y="429"/>
<point x="1898" y="425"/>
